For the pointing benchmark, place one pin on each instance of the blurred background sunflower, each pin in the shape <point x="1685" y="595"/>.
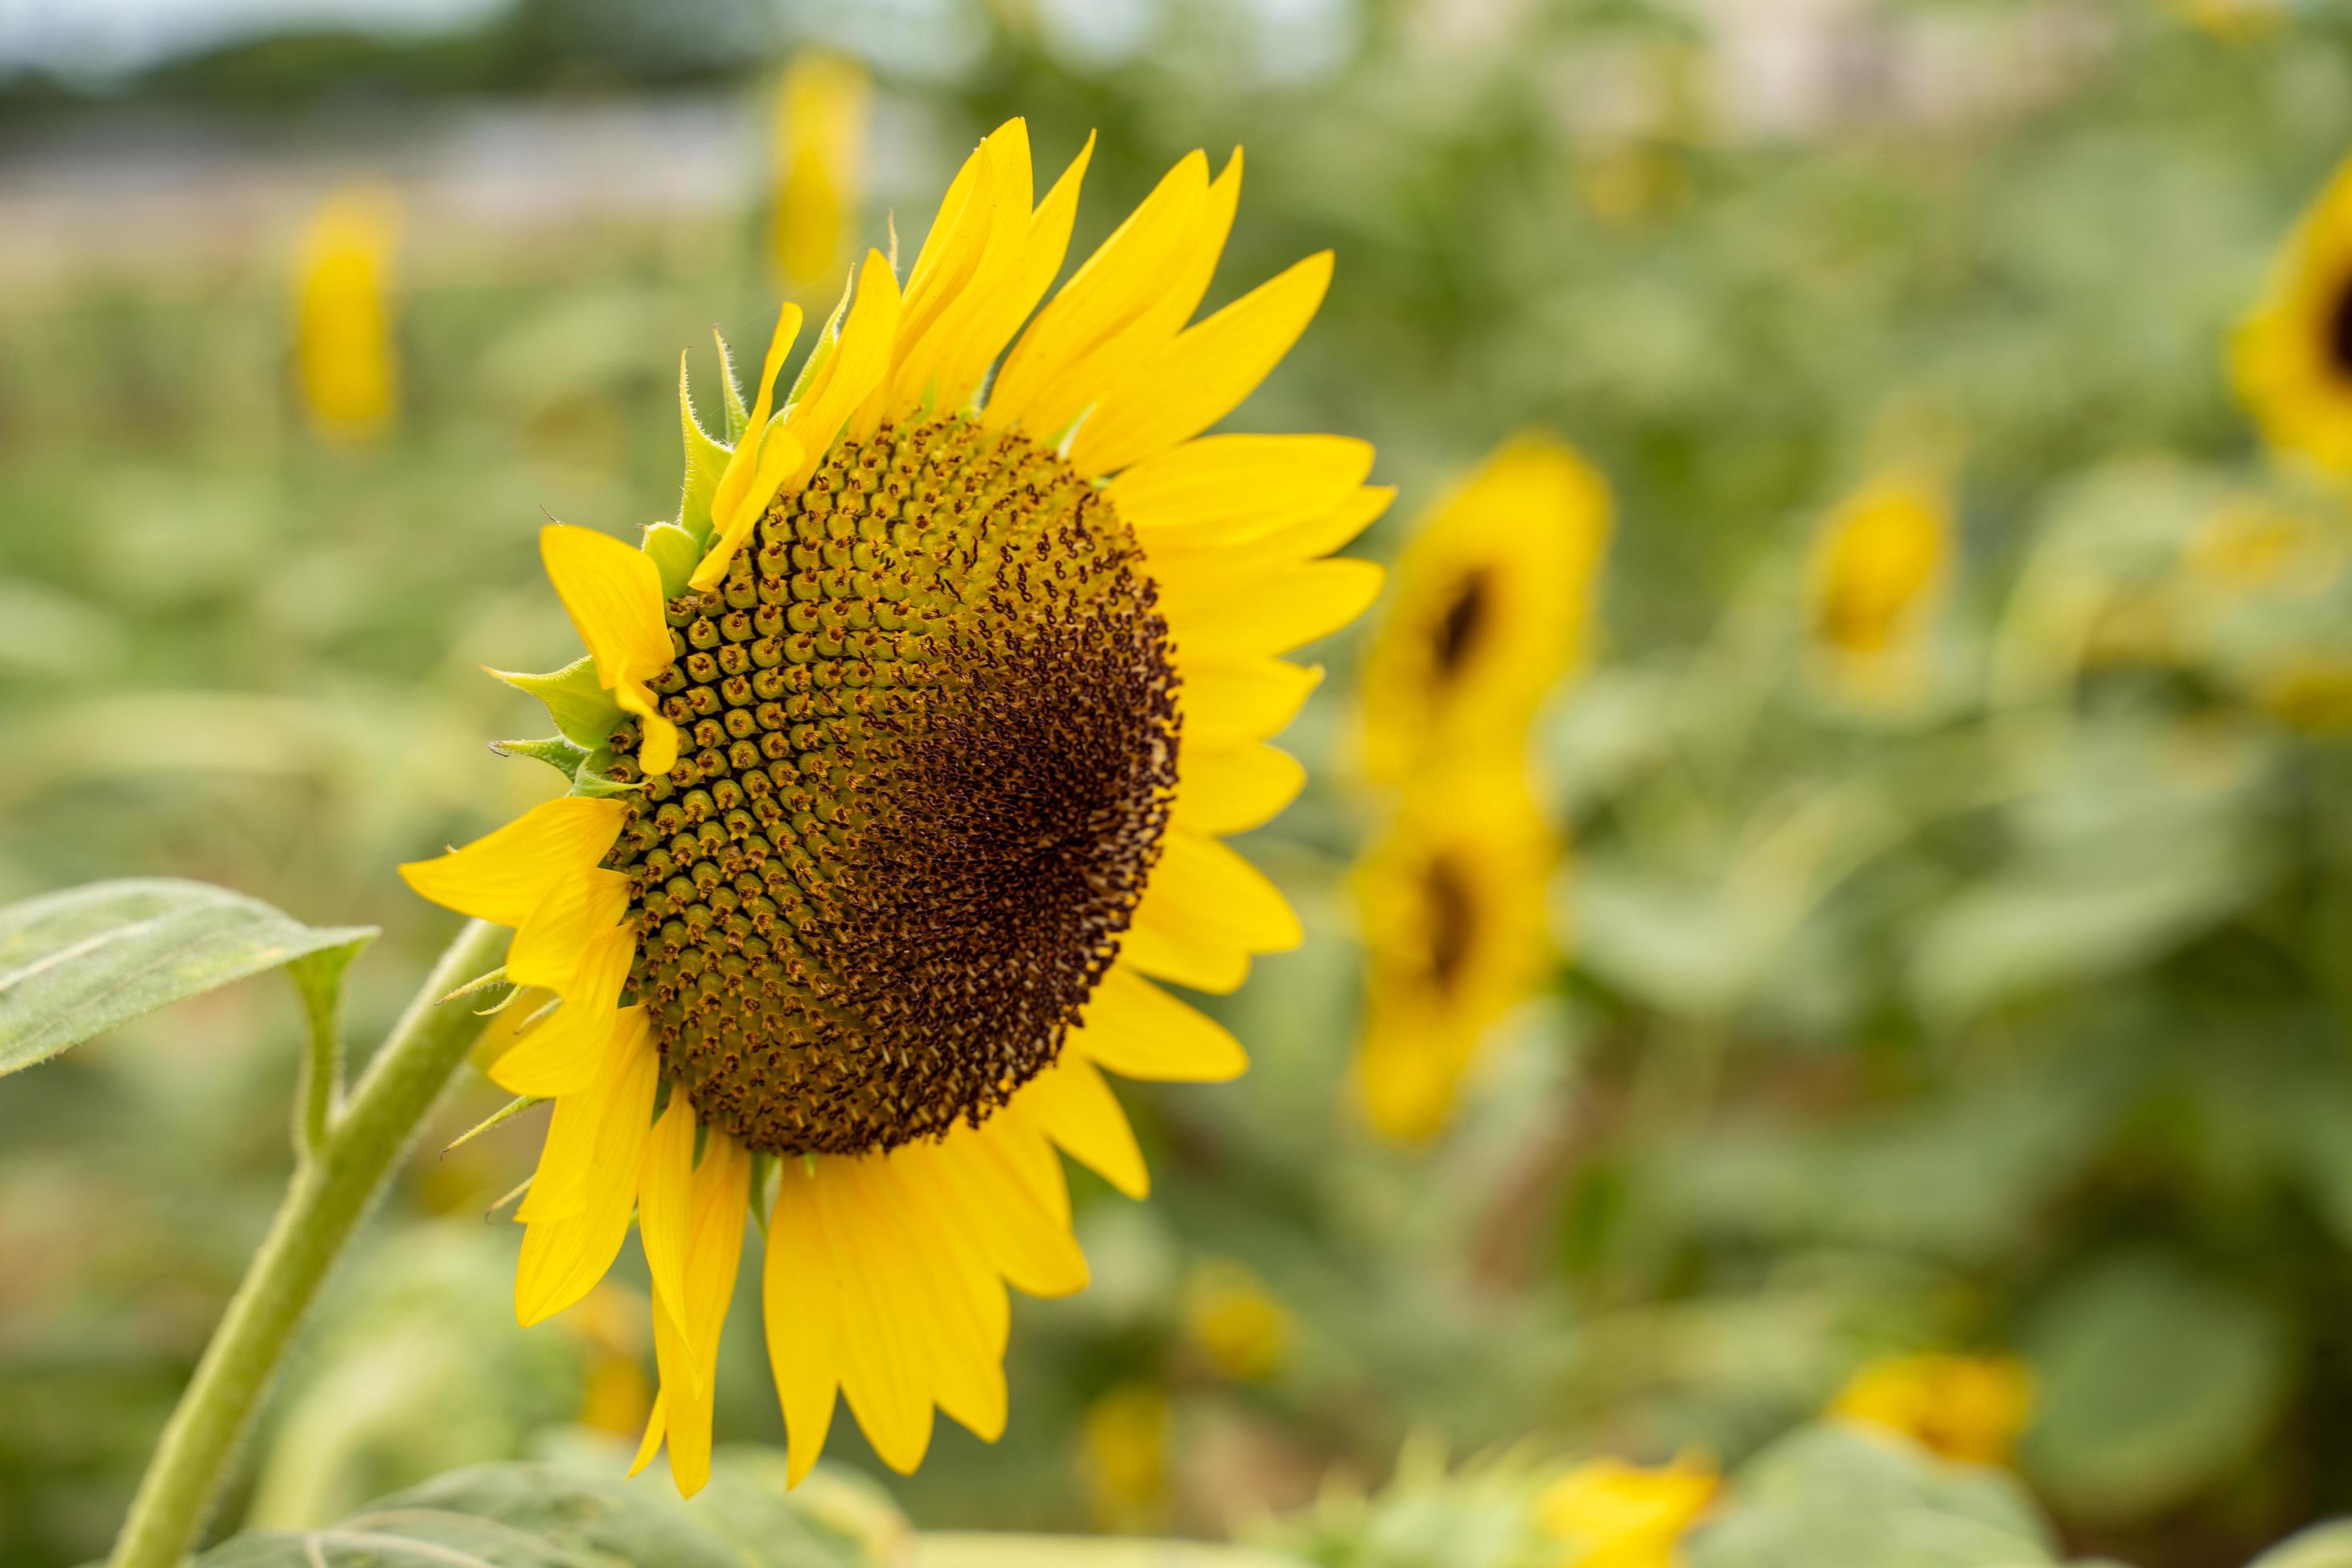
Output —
<point x="1826" y="878"/>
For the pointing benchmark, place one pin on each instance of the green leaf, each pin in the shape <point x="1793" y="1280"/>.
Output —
<point x="581" y="708"/>
<point x="1835" y="1493"/>
<point x="76" y="963"/>
<point x="675" y="552"/>
<point x="2151" y="1381"/>
<point x="706" y="460"/>
<point x="548" y="1516"/>
<point x="2321" y="1546"/>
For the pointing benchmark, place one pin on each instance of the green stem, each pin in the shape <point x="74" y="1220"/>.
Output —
<point x="324" y="1202"/>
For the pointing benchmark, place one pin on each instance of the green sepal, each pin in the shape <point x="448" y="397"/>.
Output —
<point x="594" y="776"/>
<point x="675" y="552"/>
<point x="564" y="756"/>
<point x="739" y="417"/>
<point x="706" y="460"/>
<point x="513" y="1107"/>
<point x="581" y="707"/>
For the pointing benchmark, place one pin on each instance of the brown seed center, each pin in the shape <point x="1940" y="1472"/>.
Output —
<point x="931" y="744"/>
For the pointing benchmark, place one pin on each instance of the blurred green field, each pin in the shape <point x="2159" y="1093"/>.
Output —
<point x="2011" y="1016"/>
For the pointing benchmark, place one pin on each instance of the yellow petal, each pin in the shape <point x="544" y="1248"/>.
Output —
<point x="664" y="1219"/>
<point x="1199" y="378"/>
<point x="995" y="319"/>
<point x="1222" y="490"/>
<point x="564" y="1055"/>
<point x="736" y="480"/>
<point x="1134" y="1029"/>
<point x="614" y="594"/>
<point x="966" y="1374"/>
<point x="548" y="948"/>
<point x="1127" y="275"/>
<point x="563" y="1258"/>
<point x="1084" y="1117"/>
<point x="650" y="1443"/>
<point x="885" y="1371"/>
<point x="858" y="362"/>
<point x="558" y="1188"/>
<point x="686" y="1343"/>
<point x="972" y="252"/>
<point x="1220" y="569"/>
<point x="996" y="1207"/>
<point x="1169" y="941"/>
<point x="1021" y="1139"/>
<point x="1203" y="876"/>
<point x="1247" y="700"/>
<point x="1272" y="613"/>
<point x="502" y="877"/>
<point x="658" y="751"/>
<point x="800" y="1292"/>
<point x="1232" y="789"/>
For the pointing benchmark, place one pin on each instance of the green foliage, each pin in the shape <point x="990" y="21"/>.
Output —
<point x="547" y="1516"/>
<point x="75" y="965"/>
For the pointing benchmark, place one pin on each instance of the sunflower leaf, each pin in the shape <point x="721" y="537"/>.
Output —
<point x="579" y="706"/>
<point x="562" y="1516"/>
<point x="76" y="963"/>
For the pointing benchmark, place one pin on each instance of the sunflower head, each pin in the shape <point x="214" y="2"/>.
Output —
<point x="1494" y="604"/>
<point x="1964" y="1407"/>
<point x="2293" y="355"/>
<point x="900" y="761"/>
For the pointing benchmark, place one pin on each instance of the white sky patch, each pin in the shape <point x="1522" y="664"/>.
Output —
<point x="95" y="39"/>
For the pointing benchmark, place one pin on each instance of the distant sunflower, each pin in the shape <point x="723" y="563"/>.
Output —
<point x="1453" y="911"/>
<point x="2293" y="357"/>
<point x="1493" y="605"/>
<point x="1874" y="583"/>
<point x="900" y="761"/>
<point x="346" y="365"/>
<point x="1968" y="1408"/>
<point x="822" y="104"/>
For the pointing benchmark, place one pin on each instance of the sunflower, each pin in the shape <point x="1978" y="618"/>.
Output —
<point x="1874" y="583"/>
<point x="2293" y="356"/>
<point x="1966" y="1408"/>
<point x="899" y="764"/>
<point x="1612" y="1514"/>
<point x="1451" y="898"/>
<point x="346" y="367"/>
<point x="822" y="103"/>
<point x="1493" y="606"/>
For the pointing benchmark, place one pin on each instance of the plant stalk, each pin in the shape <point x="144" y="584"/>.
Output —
<point x="326" y="1200"/>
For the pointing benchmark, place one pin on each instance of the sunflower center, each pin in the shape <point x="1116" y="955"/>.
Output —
<point x="2339" y="333"/>
<point x="1453" y="921"/>
<point x="930" y="746"/>
<point x="1462" y="625"/>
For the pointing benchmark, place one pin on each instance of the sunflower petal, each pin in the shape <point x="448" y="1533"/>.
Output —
<point x="1082" y="1115"/>
<point x="664" y="1220"/>
<point x="1203" y="375"/>
<point x="801" y="1301"/>
<point x="612" y="593"/>
<point x="502" y="877"/>
<point x="1245" y="699"/>
<point x="885" y="1373"/>
<point x="564" y="1055"/>
<point x="557" y="1188"/>
<point x="548" y="948"/>
<point x="1223" y="490"/>
<point x="1232" y="789"/>
<point x="1134" y="1029"/>
<point x="563" y="1258"/>
<point x="1274" y="613"/>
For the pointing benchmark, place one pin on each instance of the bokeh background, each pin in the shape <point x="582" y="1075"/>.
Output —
<point x="1937" y="933"/>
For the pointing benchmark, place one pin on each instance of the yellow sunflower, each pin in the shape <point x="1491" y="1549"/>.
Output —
<point x="1493" y="606"/>
<point x="2293" y="357"/>
<point x="900" y="762"/>
<point x="1452" y="905"/>
<point x="346" y="366"/>
<point x="1967" y="1408"/>
<point x="1612" y="1514"/>
<point x="1874" y="583"/>
<point x="822" y="105"/>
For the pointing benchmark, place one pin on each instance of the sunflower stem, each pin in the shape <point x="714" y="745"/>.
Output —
<point x="331" y="1192"/>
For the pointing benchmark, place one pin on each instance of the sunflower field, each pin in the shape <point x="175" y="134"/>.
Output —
<point x="1355" y="784"/>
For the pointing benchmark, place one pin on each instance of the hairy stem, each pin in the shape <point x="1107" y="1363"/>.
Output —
<point x="328" y="1195"/>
